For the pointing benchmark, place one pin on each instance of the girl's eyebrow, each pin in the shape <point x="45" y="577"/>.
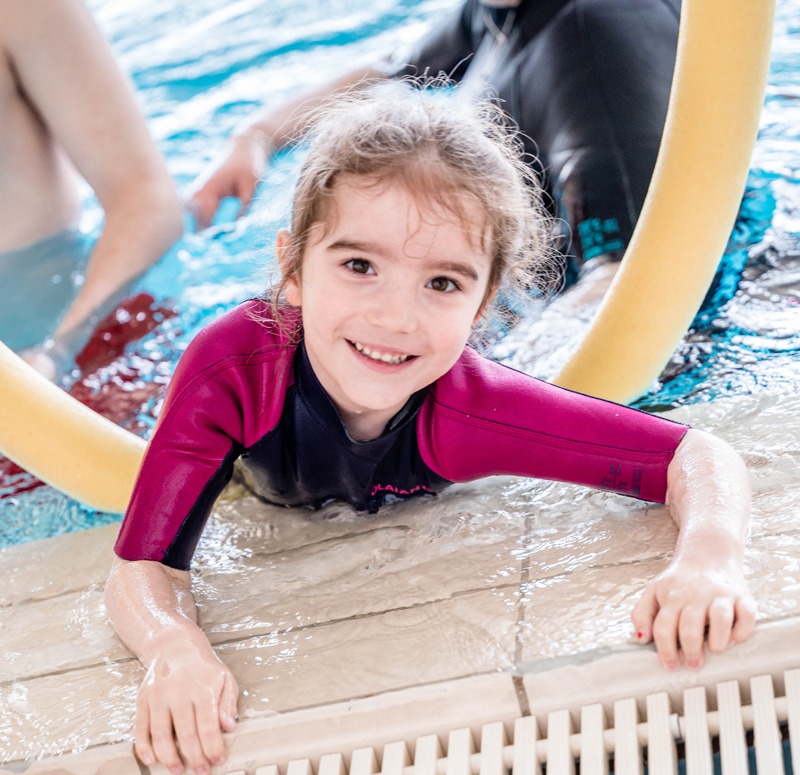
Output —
<point x="359" y="246"/>
<point x="453" y="267"/>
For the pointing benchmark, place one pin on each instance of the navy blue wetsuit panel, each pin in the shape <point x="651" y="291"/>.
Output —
<point x="310" y="459"/>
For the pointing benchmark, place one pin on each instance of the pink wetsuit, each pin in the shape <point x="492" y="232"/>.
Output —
<point x="245" y="389"/>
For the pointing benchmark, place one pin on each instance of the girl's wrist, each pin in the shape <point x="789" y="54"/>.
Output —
<point x="712" y="552"/>
<point x="174" y="639"/>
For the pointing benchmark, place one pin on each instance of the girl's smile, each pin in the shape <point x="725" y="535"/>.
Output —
<point x="395" y="359"/>
<point x="391" y="285"/>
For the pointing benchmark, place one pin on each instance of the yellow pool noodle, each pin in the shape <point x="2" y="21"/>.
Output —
<point x="691" y="205"/>
<point x="61" y="441"/>
<point x="712" y="121"/>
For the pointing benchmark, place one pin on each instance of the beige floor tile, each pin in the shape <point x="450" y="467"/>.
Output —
<point x="467" y="635"/>
<point x="601" y="530"/>
<point x="581" y="614"/>
<point x="67" y="563"/>
<point x="115" y="759"/>
<point x="588" y="611"/>
<point x="773" y="566"/>
<point x="55" y="634"/>
<point x="70" y="711"/>
<point x="631" y="671"/>
<point x="403" y="715"/>
<point x="296" y="569"/>
<point x="245" y="527"/>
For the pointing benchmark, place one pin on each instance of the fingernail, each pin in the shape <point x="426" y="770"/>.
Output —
<point x="693" y="664"/>
<point x="639" y="634"/>
<point x="672" y="666"/>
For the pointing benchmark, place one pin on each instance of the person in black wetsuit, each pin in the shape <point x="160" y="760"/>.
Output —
<point x="586" y="81"/>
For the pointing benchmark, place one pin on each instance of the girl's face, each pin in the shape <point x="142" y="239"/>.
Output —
<point x="390" y="289"/>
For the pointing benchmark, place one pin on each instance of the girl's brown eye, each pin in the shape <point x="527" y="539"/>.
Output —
<point x="359" y="266"/>
<point x="442" y="284"/>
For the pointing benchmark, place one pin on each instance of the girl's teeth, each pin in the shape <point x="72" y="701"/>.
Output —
<point x="377" y="356"/>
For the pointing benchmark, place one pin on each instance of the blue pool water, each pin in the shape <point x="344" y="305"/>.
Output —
<point x="200" y="67"/>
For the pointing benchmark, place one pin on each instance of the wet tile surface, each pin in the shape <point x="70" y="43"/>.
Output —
<point x="499" y="577"/>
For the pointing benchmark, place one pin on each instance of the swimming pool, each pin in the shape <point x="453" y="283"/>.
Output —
<point x="200" y="68"/>
<point x="330" y="608"/>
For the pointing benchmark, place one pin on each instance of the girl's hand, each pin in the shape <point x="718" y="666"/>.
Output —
<point x="689" y="603"/>
<point x="186" y="701"/>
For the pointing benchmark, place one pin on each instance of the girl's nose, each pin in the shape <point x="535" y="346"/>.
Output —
<point x="395" y="310"/>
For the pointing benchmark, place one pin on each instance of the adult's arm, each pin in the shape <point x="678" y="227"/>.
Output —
<point x="703" y="589"/>
<point x="188" y="696"/>
<point x="237" y="170"/>
<point x="239" y="167"/>
<point x="68" y="73"/>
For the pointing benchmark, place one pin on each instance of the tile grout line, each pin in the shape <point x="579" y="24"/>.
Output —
<point x="519" y="684"/>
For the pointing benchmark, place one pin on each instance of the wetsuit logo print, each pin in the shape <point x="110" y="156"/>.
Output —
<point x="390" y="489"/>
<point x="619" y="482"/>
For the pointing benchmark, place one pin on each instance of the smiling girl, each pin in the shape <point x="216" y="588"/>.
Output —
<point x="353" y="380"/>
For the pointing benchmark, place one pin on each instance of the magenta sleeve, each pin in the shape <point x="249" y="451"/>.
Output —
<point x="483" y="418"/>
<point x="226" y="393"/>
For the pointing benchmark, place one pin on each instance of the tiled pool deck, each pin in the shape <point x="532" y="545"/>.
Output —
<point x="497" y="598"/>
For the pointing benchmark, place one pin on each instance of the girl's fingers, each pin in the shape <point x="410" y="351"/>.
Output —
<point x="643" y="614"/>
<point x="665" y="635"/>
<point x="163" y="739"/>
<point x="227" y="703"/>
<point x="720" y="623"/>
<point x="744" y="619"/>
<point x="188" y="740"/>
<point x="207" y="717"/>
<point x="691" y="635"/>
<point x="141" y="731"/>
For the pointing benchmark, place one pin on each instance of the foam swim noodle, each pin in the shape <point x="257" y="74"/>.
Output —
<point x="712" y="122"/>
<point x="63" y="442"/>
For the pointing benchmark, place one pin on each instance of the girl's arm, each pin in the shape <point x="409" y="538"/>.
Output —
<point x="703" y="589"/>
<point x="186" y="687"/>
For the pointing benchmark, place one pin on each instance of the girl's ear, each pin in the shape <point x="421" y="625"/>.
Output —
<point x="291" y="282"/>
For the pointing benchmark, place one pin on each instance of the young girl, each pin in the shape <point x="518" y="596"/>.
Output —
<point x="354" y="381"/>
